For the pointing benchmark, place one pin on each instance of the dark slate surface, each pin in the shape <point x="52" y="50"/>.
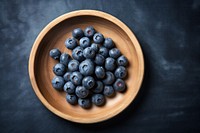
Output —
<point x="169" y="33"/>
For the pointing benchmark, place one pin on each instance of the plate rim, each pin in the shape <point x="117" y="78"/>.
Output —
<point x="69" y="15"/>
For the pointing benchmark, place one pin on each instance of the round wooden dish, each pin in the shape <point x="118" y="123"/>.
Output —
<point x="54" y="36"/>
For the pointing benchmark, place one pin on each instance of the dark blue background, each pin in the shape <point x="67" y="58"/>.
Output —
<point x="169" y="34"/>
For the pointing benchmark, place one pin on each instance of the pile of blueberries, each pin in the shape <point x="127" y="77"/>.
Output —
<point x="96" y="70"/>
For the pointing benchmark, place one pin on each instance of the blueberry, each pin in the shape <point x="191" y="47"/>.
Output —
<point x="76" y="78"/>
<point x="65" y="58"/>
<point x="72" y="99"/>
<point x="110" y="64"/>
<point x="119" y="85"/>
<point x="55" y="53"/>
<point x="122" y="61"/>
<point x="110" y="78"/>
<point x="77" y="53"/>
<point x="99" y="59"/>
<point x="71" y="43"/>
<point x="82" y="92"/>
<point x="103" y="51"/>
<point x="88" y="82"/>
<point x="89" y="53"/>
<point x="58" y="82"/>
<point x="100" y="72"/>
<point x="66" y="76"/>
<point x="98" y="38"/>
<point x="73" y="65"/>
<point x="108" y="91"/>
<point x="98" y="99"/>
<point x="95" y="47"/>
<point x="108" y="43"/>
<point x="84" y="103"/>
<point x="89" y="31"/>
<point x="77" y="33"/>
<point x="69" y="87"/>
<point x="98" y="88"/>
<point x="84" y="42"/>
<point x="86" y="67"/>
<point x="114" y="53"/>
<point x="59" y="69"/>
<point x="120" y="72"/>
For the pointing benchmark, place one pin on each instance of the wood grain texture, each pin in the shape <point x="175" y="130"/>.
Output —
<point x="54" y="36"/>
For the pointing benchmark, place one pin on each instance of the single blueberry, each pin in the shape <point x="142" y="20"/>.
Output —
<point x="86" y="67"/>
<point x="120" y="72"/>
<point x="108" y="43"/>
<point x="69" y="87"/>
<point x="76" y="78"/>
<point x="72" y="99"/>
<point x="84" y="42"/>
<point x="84" y="103"/>
<point x="99" y="59"/>
<point x="88" y="53"/>
<point x="100" y="72"/>
<point x="110" y="64"/>
<point x="82" y="92"/>
<point x="110" y="78"/>
<point x="122" y="61"/>
<point x="98" y="99"/>
<point x="114" y="53"/>
<point x="98" y="88"/>
<point x="59" y="69"/>
<point x="77" y="33"/>
<point x="108" y="91"/>
<point x="103" y="51"/>
<point x="119" y="85"/>
<point x="55" y="53"/>
<point x="89" y="31"/>
<point x="71" y="43"/>
<point x="58" y="83"/>
<point x="88" y="82"/>
<point x="98" y="38"/>
<point x="66" y="76"/>
<point x="65" y="58"/>
<point x="95" y="47"/>
<point x="77" y="53"/>
<point x="73" y="65"/>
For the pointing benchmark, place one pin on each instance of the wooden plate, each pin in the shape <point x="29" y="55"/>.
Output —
<point x="54" y="36"/>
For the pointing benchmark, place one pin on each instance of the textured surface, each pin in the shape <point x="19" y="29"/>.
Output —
<point x="168" y="32"/>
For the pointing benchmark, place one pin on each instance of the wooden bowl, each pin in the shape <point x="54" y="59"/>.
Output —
<point x="54" y="36"/>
